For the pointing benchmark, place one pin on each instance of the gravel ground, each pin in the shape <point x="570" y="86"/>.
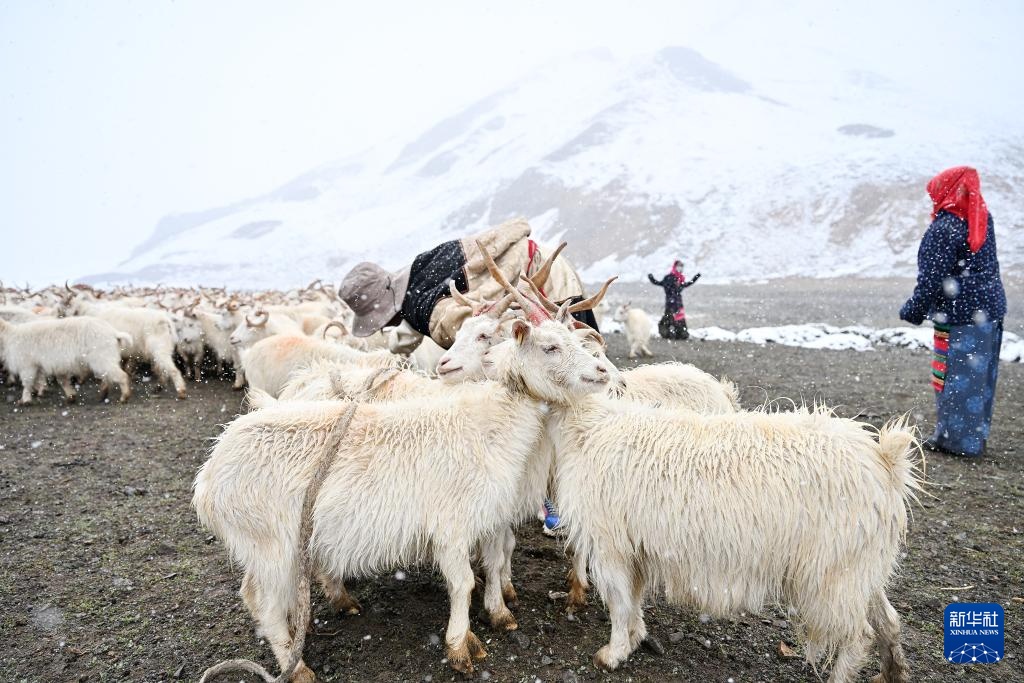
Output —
<point x="106" y="575"/>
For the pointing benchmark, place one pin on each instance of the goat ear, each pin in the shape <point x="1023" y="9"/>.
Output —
<point x="520" y="331"/>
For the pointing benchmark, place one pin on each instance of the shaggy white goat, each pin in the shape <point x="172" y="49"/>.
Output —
<point x="269" y="362"/>
<point x="152" y="333"/>
<point x="190" y="345"/>
<point x="217" y="327"/>
<point x="638" y="329"/>
<point x="64" y="348"/>
<point x="731" y="512"/>
<point x="327" y="379"/>
<point x="260" y="325"/>
<point x="16" y="314"/>
<point x="387" y="500"/>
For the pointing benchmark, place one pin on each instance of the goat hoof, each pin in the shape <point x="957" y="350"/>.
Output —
<point x="182" y="395"/>
<point x="346" y="606"/>
<point x="476" y="648"/>
<point x="459" y="659"/>
<point x="508" y="594"/>
<point x="653" y="645"/>
<point x="575" y="602"/>
<point x="603" y="659"/>
<point x="303" y="674"/>
<point x="503" y="620"/>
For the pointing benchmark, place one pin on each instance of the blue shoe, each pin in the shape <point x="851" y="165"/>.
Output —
<point x="551" y="520"/>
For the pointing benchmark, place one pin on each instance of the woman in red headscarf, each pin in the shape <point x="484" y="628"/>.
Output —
<point x="673" y="322"/>
<point x="960" y="290"/>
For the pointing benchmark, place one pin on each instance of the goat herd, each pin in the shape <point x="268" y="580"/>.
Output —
<point x="347" y="464"/>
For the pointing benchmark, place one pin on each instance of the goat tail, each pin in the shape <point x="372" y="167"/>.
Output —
<point x="257" y="398"/>
<point x="901" y="452"/>
<point x="731" y="391"/>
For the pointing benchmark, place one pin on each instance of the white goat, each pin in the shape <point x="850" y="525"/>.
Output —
<point x="387" y="500"/>
<point x="217" y="327"/>
<point x="16" y="314"/>
<point x="260" y="325"/>
<point x="638" y="329"/>
<point x="152" y="333"/>
<point x="731" y="512"/>
<point x="331" y="380"/>
<point x="64" y="348"/>
<point x="190" y="345"/>
<point x="269" y="362"/>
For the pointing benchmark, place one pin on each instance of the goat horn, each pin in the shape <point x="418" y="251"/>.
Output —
<point x="593" y="301"/>
<point x="459" y="297"/>
<point x="335" y="323"/>
<point x="534" y="311"/>
<point x="258" y="315"/>
<point x="540" y="278"/>
<point x="68" y="287"/>
<point x="546" y="302"/>
<point x="496" y="310"/>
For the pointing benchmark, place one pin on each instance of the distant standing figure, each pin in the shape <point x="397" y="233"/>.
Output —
<point x="673" y="322"/>
<point x="960" y="290"/>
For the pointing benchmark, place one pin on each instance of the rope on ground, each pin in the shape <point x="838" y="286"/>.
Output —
<point x="330" y="450"/>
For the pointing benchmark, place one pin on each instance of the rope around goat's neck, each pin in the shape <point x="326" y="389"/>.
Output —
<point x="330" y="450"/>
<point x="369" y="390"/>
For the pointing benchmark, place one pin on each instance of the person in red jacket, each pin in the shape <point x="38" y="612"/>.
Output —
<point x="673" y="322"/>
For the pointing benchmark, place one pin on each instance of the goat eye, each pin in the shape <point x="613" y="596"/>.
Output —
<point x="481" y="337"/>
<point x="551" y="349"/>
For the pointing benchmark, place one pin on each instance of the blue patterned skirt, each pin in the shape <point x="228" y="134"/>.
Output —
<point x="964" y="402"/>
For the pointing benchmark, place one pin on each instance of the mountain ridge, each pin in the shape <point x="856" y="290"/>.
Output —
<point x="634" y="163"/>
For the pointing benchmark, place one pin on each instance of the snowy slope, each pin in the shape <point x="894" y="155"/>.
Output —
<point x="634" y="163"/>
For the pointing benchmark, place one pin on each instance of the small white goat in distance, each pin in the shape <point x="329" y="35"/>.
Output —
<point x="152" y="333"/>
<point x="260" y="324"/>
<point x="638" y="329"/>
<point x="64" y="348"/>
<point x="190" y="345"/>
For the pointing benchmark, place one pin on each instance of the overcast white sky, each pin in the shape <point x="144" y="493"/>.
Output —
<point x="114" y="114"/>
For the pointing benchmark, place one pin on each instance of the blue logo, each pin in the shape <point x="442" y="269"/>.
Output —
<point x="974" y="633"/>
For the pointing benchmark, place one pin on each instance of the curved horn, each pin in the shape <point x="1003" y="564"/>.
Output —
<point x="260" y="315"/>
<point x="546" y="302"/>
<point x="496" y="310"/>
<point x="540" y="278"/>
<point x="589" y="332"/>
<point x="68" y="287"/>
<point x="534" y="311"/>
<point x="335" y="323"/>
<point x="459" y="297"/>
<point x="593" y="301"/>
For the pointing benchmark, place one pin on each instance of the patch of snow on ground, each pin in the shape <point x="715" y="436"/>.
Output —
<point x="854" y="337"/>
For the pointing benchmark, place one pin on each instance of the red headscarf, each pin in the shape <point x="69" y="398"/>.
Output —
<point x="958" y="190"/>
<point x="678" y="273"/>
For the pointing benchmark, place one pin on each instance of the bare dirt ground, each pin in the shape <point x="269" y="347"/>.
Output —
<point x="106" y="575"/>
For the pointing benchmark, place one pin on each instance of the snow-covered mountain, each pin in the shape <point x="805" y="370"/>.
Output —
<point x="634" y="163"/>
